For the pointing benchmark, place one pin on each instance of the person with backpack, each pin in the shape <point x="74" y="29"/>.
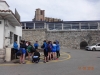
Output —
<point x="45" y="51"/>
<point x="22" y="52"/>
<point x="29" y="50"/>
<point x="49" y="47"/>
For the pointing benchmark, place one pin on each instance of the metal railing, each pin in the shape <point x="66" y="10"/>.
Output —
<point x="62" y="26"/>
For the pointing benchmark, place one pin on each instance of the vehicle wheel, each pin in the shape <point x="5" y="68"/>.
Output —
<point x="93" y="49"/>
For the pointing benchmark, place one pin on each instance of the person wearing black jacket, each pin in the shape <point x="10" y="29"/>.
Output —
<point x="22" y="52"/>
<point x="36" y="57"/>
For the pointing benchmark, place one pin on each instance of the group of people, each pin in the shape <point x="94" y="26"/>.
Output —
<point x="51" y="51"/>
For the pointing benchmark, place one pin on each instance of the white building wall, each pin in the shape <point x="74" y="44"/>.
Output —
<point x="16" y="30"/>
<point x="6" y="28"/>
<point x="1" y="34"/>
<point x="11" y="27"/>
<point x="19" y="30"/>
<point x="19" y="33"/>
<point x="3" y="6"/>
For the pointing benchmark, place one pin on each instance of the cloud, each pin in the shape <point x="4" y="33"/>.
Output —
<point x="67" y="10"/>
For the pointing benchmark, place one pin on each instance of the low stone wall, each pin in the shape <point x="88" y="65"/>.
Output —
<point x="34" y="35"/>
<point x="2" y="55"/>
<point x="70" y="39"/>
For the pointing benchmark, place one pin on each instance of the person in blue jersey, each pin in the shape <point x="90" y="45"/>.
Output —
<point x="36" y="45"/>
<point x="45" y="51"/>
<point x="54" y="48"/>
<point x="58" y="50"/>
<point x="15" y="47"/>
<point x="56" y="41"/>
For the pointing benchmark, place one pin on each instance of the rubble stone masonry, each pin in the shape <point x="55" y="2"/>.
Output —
<point x="70" y="39"/>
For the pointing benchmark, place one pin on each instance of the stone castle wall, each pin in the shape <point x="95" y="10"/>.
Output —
<point x="34" y="35"/>
<point x="70" y="39"/>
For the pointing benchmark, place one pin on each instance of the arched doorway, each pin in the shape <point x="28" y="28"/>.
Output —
<point x="83" y="44"/>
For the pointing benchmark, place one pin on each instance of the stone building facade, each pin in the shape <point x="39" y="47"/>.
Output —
<point x="72" y="34"/>
<point x="40" y="16"/>
<point x="70" y="39"/>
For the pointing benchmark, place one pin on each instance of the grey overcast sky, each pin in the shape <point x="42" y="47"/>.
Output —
<point x="67" y="10"/>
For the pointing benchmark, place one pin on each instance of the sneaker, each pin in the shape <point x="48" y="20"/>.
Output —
<point x="44" y="62"/>
<point x="56" y="58"/>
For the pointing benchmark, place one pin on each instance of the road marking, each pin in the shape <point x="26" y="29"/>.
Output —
<point x="62" y="58"/>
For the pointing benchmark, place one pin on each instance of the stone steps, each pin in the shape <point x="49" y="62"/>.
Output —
<point x="2" y="55"/>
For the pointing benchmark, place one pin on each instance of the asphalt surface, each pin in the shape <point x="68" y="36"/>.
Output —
<point x="71" y="62"/>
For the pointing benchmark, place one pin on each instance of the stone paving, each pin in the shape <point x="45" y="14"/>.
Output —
<point x="81" y="62"/>
<point x="64" y="56"/>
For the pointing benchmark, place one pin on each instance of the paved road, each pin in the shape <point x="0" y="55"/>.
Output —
<point x="81" y="62"/>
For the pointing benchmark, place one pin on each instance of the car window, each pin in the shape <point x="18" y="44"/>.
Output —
<point x="98" y="44"/>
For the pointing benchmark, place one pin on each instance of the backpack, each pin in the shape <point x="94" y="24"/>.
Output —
<point x="32" y="49"/>
<point x="19" y="53"/>
<point x="49" y="47"/>
<point x="43" y="46"/>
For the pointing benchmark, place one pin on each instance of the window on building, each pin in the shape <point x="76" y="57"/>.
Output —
<point x="93" y="25"/>
<point x="15" y="37"/>
<point x="66" y="26"/>
<point x="11" y="37"/>
<point x="19" y="38"/>
<point x="29" y="26"/>
<point x="23" y="26"/>
<point x="41" y="13"/>
<point x="75" y="26"/>
<point x="39" y="25"/>
<point x="84" y="26"/>
<point x="58" y="26"/>
<point x="51" y="26"/>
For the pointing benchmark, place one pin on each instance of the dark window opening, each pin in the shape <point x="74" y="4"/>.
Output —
<point x="39" y="25"/>
<point x="83" y="44"/>
<point x="15" y="37"/>
<point x="58" y="26"/>
<point x="19" y="38"/>
<point x="29" y="26"/>
<point x="41" y="13"/>
<point x="11" y="37"/>
<point x="66" y="26"/>
<point x="93" y="27"/>
<point x="23" y="27"/>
